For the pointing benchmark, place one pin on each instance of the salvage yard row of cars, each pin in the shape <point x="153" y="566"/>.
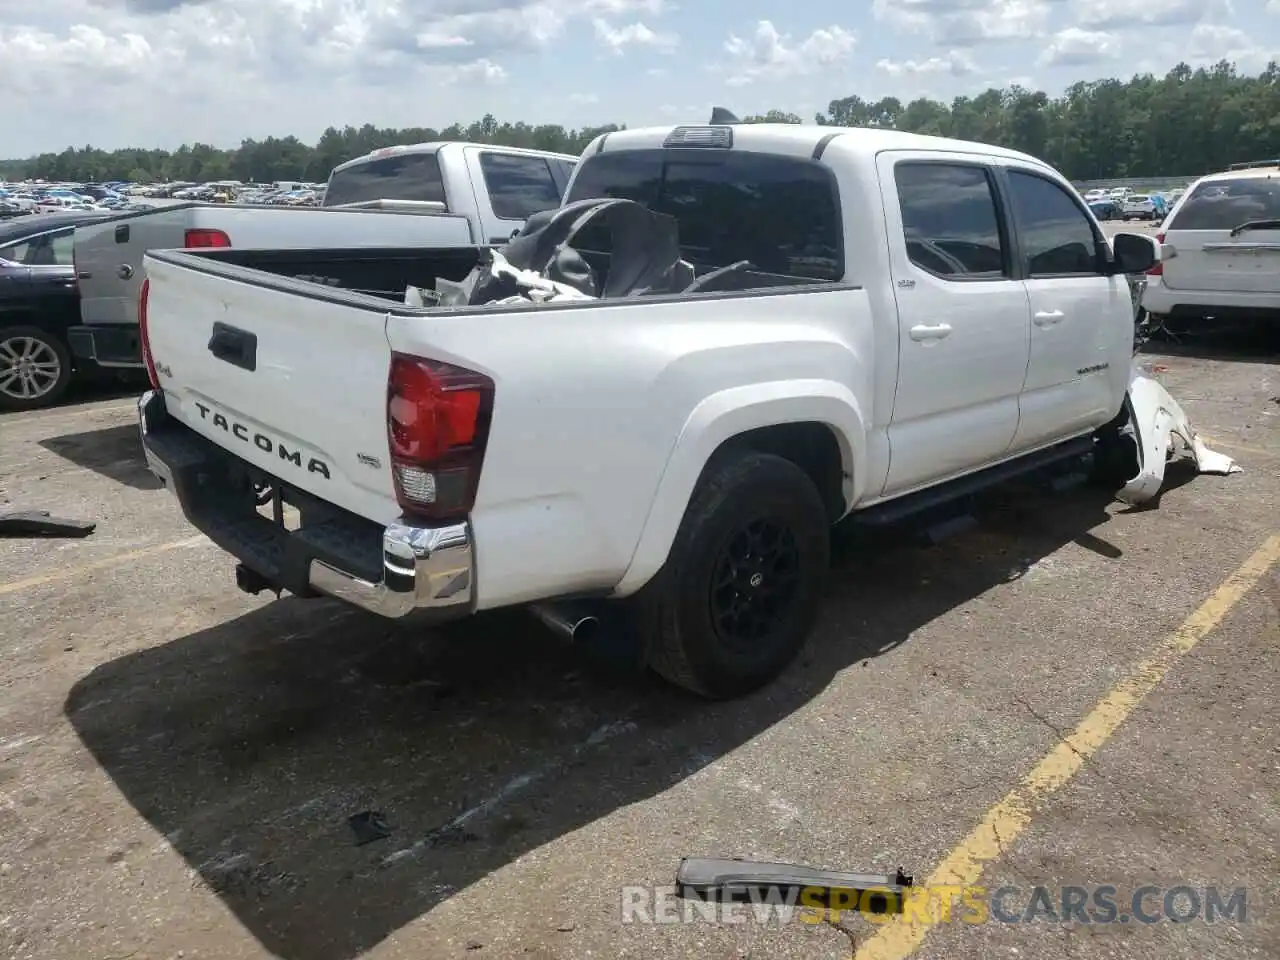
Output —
<point x="33" y="197"/>
<point x="1121" y="203"/>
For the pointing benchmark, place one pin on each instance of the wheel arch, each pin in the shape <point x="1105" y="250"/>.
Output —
<point x="817" y="424"/>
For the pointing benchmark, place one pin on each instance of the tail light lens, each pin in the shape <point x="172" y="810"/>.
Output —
<point x="144" y="337"/>
<point x="1158" y="269"/>
<point x="437" y="427"/>
<point x="206" y="238"/>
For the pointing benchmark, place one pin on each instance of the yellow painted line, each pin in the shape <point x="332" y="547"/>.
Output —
<point x="67" y="573"/>
<point x="1232" y="445"/>
<point x="902" y="935"/>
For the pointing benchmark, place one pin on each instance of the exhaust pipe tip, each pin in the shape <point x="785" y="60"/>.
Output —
<point x="570" y="622"/>
<point x="586" y="630"/>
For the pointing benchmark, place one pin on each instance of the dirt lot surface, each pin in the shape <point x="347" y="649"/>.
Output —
<point x="178" y="760"/>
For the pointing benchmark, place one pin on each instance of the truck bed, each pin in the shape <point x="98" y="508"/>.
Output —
<point x="377" y="272"/>
<point x="385" y="273"/>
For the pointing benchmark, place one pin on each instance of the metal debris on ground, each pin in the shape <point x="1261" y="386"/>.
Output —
<point x="368" y="826"/>
<point x="38" y="523"/>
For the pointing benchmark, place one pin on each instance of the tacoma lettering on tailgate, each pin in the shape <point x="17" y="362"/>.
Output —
<point x="261" y="441"/>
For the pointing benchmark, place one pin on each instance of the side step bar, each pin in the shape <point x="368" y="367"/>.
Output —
<point x="895" y="511"/>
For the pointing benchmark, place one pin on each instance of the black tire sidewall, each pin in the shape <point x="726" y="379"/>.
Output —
<point x="753" y="487"/>
<point x="12" y="404"/>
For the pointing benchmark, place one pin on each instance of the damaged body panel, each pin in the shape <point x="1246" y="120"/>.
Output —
<point x="1156" y="420"/>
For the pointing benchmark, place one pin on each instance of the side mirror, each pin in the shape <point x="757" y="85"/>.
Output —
<point x="1134" y="253"/>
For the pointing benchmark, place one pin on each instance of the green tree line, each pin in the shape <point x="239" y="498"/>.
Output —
<point x="1185" y="123"/>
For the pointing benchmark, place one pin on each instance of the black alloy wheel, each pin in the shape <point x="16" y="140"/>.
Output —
<point x="744" y="580"/>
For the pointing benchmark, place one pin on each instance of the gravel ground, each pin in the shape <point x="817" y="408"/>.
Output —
<point x="178" y="760"/>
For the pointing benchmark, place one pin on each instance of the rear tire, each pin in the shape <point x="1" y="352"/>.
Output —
<point x="743" y="584"/>
<point x="35" y="368"/>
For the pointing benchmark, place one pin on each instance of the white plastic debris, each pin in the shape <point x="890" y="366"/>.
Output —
<point x="1157" y="421"/>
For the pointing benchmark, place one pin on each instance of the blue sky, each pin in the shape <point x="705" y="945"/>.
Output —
<point x="157" y="73"/>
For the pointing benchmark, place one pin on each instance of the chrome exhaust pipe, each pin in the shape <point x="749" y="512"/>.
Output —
<point x="572" y="621"/>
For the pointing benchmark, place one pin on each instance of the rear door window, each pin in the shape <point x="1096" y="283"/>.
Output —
<point x="1225" y="204"/>
<point x="405" y="176"/>
<point x="780" y="213"/>
<point x="518" y="186"/>
<point x="43" y="250"/>
<point x="64" y="246"/>
<point x="950" y="221"/>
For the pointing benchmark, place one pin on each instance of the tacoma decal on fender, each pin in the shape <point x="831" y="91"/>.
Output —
<point x="261" y="441"/>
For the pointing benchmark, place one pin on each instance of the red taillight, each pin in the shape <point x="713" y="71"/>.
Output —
<point x="437" y="426"/>
<point x="1158" y="269"/>
<point x="144" y="338"/>
<point x="206" y="238"/>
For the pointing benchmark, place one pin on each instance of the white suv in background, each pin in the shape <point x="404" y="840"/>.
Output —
<point x="1139" y="206"/>
<point x="1221" y="249"/>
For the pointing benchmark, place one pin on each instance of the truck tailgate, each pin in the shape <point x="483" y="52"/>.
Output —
<point x="296" y="386"/>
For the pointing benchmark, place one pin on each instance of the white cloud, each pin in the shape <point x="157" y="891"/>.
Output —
<point x="768" y="54"/>
<point x="955" y="63"/>
<point x="1104" y="14"/>
<point x="221" y="70"/>
<point x="1076" y="47"/>
<point x="428" y="40"/>
<point x="477" y="71"/>
<point x="634" y="34"/>
<point x="966" y="23"/>
<point x="1208" y="43"/>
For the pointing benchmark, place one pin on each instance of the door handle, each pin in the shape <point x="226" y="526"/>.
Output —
<point x="237" y="347"/>
<point x="1047" y="318"/>
<point x="929" y="331"/>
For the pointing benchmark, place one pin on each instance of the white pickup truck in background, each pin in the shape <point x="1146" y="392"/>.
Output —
<point x="921" y="317"/>
<point x="419" y="195"/>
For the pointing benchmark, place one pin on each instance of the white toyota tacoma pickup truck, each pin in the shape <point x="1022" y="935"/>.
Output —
<point x="920" y="317"/>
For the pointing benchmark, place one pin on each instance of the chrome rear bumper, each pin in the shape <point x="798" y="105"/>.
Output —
<point x="420" y="567"/>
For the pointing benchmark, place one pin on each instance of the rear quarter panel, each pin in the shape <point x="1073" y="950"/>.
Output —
<point x="595" y="405"/>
